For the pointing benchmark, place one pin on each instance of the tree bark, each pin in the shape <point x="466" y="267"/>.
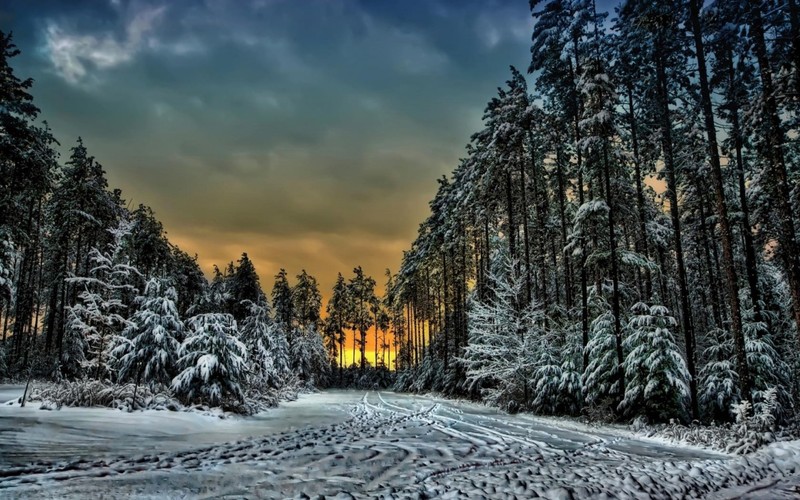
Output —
<point x="778" y="173"/>
<point x="672" y="193"/>
<point x="751" y="265"/>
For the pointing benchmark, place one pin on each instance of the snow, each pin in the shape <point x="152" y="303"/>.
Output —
<point x="343" y="443"/>
<point x="30" y="434"/>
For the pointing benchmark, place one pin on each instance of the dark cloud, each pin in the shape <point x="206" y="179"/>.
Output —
<point x="308" y="134"/>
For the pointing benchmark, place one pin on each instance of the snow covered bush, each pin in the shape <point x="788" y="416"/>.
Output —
<point x="87" y="393"/>
<point x="148" y="350"/>
<point x="213" y="361"/>
<point x="656" y="377"/>
<point x="754" y="426"/>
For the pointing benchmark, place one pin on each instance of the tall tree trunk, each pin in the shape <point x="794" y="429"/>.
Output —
<point x="794" y="24"/>
<point x="512" y="251"/>
<point x="446" y="299"/>
<point x="463" y="292"/>
<point x="562" y="215"/>
<point x="706" y="244"/>
<point x="615" y="299"/>
<point x="775" y="136"/>
<point x="751" y="265"/>
<point x="579" y="167"/>
<point x="672" y="193"/>
<point x="524" y="231"/>
<point x="641" y="242"/>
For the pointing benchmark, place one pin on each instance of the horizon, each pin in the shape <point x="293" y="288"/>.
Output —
<point x="268" y="170"/>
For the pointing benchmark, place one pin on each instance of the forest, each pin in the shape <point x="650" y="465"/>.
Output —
<point x="620" y="239"/>
<point x="619" y="242"/>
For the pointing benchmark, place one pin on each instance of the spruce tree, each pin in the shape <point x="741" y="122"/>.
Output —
<point x="213" y="362"/>
<point x="149" y="352"/>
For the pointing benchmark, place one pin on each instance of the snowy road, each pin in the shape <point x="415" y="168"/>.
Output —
<point x="364" y="444"/>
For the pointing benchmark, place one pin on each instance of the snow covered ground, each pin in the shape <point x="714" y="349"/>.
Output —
<point x="362" y="444"/>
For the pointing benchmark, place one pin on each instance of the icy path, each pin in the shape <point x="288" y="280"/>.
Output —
<point x="350" y="443"/>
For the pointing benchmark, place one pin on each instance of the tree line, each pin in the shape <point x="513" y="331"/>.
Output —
<point x="621" y="237"/>
<point x="92" y="289"/>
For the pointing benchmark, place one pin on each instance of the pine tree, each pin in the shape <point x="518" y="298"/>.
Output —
<point x="185" y="275"/>
<point x="213" y="361"/>
<point x="719" y="387"/>
<point x="27" y="171"/>
<point x="149" y="351"/>
<point x="243" y="285"/>
<point x="658" y="380"/>
<point x="336" y="322"/>
<point x="282" y="300"/>
<point x="306" y="301"/>
<point x="268" y="352"/>
<point x="570" y="386"/>
<point x="505" y="341"/>
<point x="361" y="292"/>
<point x="310" y="358"/>
<point x="101" y="315"/>
<point x="600" y="381"/>
<point x="726" y="233"/>
<point x="150" y="248"/>
<point x="79" y="211"/>
<point x="655" y="27"/>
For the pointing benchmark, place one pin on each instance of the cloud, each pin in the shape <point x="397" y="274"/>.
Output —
<point x="73" y="55"/>
<point x="415" y="55"/>
<point x="308" y="134"/>
<point x="501" y="25"/>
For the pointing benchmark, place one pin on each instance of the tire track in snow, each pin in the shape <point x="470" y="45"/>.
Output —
<point x="387" y="450"/>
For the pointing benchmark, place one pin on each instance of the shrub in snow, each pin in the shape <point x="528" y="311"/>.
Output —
<point x="87" y="393"/>
<point x="213" y="361"/>
<point x="148" y="350"/>
<point x="767" y="410"/>
<point x="656" y="377"/>
<point x="754" y="426"/>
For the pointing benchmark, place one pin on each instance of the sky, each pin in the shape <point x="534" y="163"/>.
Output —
<point x="308" y="134"/>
